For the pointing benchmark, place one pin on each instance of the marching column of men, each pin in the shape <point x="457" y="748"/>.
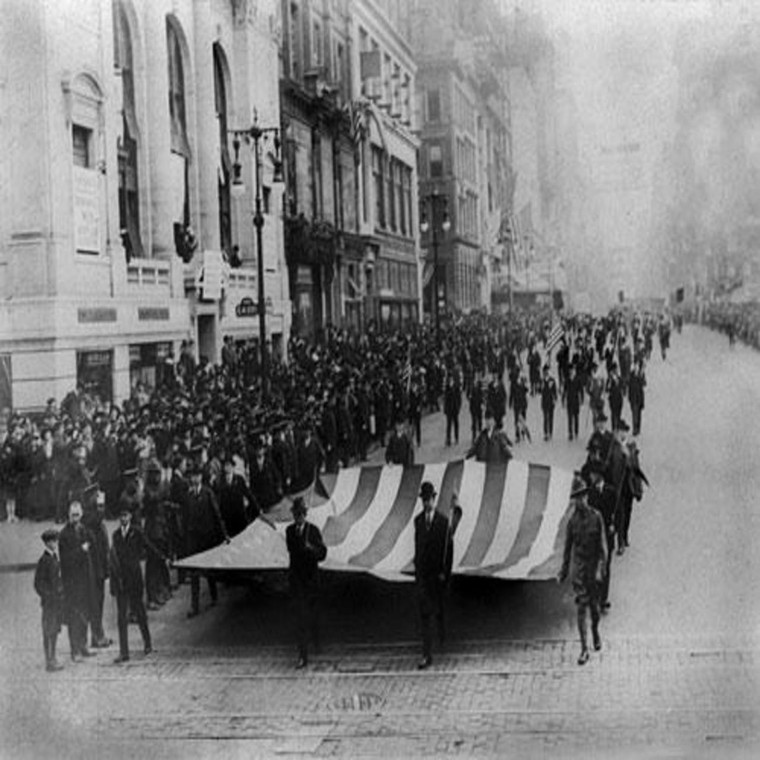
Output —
<point x="202" y="492"/>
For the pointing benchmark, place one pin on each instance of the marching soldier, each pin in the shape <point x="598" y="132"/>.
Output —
<point x="586" y="548"/>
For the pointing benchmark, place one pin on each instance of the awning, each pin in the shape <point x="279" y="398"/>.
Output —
<point x="512" y="525"/>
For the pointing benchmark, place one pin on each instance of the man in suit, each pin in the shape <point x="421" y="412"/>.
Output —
<point x="432" y="566"/>
<point x="573" y="399"/>
<point x="127" y="549"/>
<point x="399" y="449"/>
<point x="306" y="549"/>
<point x="548" y="402"/>
<point x="310" y="457"/>
<point x="237" y="504"/>
<point x="452" y="403"/>
<point x="75" y="544"/>
<point x="95" y="522"/>
<point x="491" y="445"/>
<point x="49" y="587"/>
<point x="204" y="529"/>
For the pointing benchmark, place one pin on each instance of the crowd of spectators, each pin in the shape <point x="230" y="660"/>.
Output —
<point x="324" y="408"/>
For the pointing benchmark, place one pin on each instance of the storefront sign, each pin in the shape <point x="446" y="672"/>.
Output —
<point x="96" y="358"/>
<point x="87" y="316"/>
<point x="246" y="308"/>
<point x="151" y="314"/>
<point x="86" y="210"/>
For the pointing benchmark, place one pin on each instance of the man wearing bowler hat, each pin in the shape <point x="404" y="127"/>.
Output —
<point x="306" y="549"/>
<point x="431" y="569"/>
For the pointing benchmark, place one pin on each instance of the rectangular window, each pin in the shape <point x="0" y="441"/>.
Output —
<point x="391" y="193"/>
<point x="377" y="173"/>
<point x="403" y="218"/>
<point x="435" y="161"/>
<point x="316" y="44"/>
<point x="295" y="41"/>
<point x="81" y="138"/>
<point x="316" y="174"/>
<point x="434" y="105"/>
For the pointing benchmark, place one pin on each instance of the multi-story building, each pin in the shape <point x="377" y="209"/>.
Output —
<point x="119" y="221"/>
<point x="465" y="154"/>
<point x="346" y="85"/>
<point x="388" y="275"/>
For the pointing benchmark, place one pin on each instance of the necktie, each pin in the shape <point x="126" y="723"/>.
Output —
<point x="429" y="519"/>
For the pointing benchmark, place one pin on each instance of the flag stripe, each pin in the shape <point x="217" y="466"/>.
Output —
<point x="399" y="515"/>
<point x="471" y="495"/>
<point x="401" y="555"/>
<point x="362" y="531"/>
<point x="488" y="515"/>
<point x="337" y="527"/>
<point x="556" y="506"/>
<point x="452" y="480"/>
<point x="510" y="514"/>
<point x="535" y="502"/>
<point x="551" y="566"/>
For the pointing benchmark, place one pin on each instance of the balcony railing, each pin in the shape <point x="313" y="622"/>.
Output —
<point x="148" y="273"/>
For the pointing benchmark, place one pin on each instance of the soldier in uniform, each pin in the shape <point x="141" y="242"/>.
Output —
<point x="586" y="547"/>
<point x="306" y="549"/>
<point x="603" y="498"/>
<point x="49" y="587"/>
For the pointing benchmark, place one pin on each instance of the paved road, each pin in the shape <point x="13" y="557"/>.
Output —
<point x="678" y="675"/>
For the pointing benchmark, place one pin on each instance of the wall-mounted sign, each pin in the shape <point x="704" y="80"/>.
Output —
<point x="86" y="316"/>
<point x="246" y="308"/>
<point x="152" y="314"/>
<point x="86" y="210"/>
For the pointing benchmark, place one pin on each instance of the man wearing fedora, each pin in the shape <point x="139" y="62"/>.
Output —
<point x="586" y="548"/>
<point x="432" y="567"/>
<point x="127" y="549"/>
<point x="306" y="549"/>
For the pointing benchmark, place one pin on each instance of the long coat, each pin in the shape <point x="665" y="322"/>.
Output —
<point x="203" y="521"/>
<point x="433" y="552"/>
<point x="126" y="553"/>
<point x="306" y="551"/>
<point x="49" y="587"/>
<point x="76" y="570"/>
<point x="232" y="497"/>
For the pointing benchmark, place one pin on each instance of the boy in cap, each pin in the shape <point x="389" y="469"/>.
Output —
<point x="306" y="549"/>
<point x="49" y="587"/>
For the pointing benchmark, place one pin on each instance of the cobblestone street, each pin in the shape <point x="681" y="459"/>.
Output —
<point x="677" y="676"/>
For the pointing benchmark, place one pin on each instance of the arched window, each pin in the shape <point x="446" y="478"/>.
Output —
<point x="184" y="237"/>
<point x="129" y="141"/>
<point x="225" y="164"/>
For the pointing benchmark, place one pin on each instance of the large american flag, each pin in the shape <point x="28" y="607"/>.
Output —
<point x="555" y="336"/>
<point x="512" y="527"/>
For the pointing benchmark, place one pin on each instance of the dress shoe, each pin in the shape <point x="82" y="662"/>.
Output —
<point x="620" y="551"/>
<point x="102" y="644"/>
<point x="424" y="663"/>
<point x="597" y="641"/>
<point x="301" y="664"/>
<point x="87" y="653"/>
<point x="120" y="659"/>
<point x="605" y="606"/>
<point x="76" y="658"/>
<point x="148" y="649"/>
<point x="583" y="658"/>
<point x="54" y="666"/>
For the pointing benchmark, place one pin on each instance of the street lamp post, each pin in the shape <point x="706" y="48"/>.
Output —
<point x="433" y="198"/>
<point x="254" y="136"/>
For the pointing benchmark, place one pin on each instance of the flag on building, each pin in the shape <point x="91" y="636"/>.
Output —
<point x="512" y="525"/>
<point x="555" y="336"/>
